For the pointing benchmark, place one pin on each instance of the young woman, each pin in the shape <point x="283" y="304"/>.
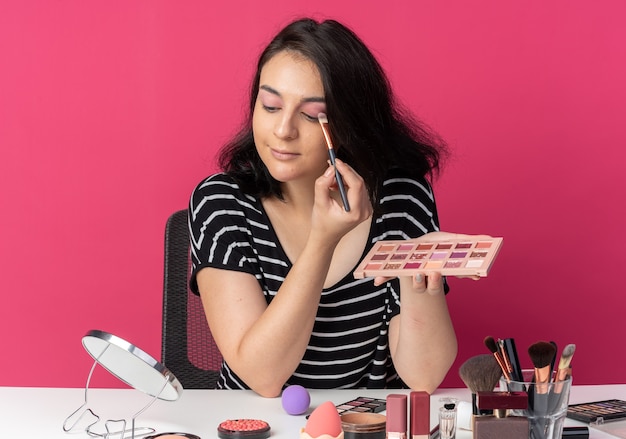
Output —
<point x="274" y="249"/>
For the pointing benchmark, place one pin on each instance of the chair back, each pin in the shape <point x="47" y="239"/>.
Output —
<point x="187" y="346"/>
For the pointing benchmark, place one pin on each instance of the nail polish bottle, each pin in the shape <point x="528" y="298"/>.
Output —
<point x="501" y="424"/>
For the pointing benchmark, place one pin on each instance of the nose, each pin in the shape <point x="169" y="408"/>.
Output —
<point x="285" y="127"/>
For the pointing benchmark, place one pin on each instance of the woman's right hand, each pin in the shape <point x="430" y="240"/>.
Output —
<point x="329" y="216"/>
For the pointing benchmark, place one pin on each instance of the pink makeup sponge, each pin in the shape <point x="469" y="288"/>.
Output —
<point x="295" y="400"/>
<point x="324" y="422"/>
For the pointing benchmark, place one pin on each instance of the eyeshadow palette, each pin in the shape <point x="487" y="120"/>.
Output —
<point x="609" y="410"/>
<point x="458" y="257"/>
<point x="363" y="404"/>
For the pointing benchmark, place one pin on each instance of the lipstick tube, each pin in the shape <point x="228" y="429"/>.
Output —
<point x="396" y="416"/>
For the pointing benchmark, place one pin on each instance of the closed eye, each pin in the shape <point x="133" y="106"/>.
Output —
<point x="270" y="109"/>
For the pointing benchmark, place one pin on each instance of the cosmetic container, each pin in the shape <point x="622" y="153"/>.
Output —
<point x="396" y="416"/>
<point x="501" y="424"/>
<point x="447" y="421"/>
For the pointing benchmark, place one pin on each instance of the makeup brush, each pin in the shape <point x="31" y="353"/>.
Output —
<point x="491" y="344"/>
<point x="552" y="363"/>
<point x="564" y="370"/>
<point x="323" y="120"/>
<point x="541" y="354"/>
<point x="509" y="345"/>
<point x="562" y="374"/>
<point x="505" y="358"/>
<point x="480" y="374"/>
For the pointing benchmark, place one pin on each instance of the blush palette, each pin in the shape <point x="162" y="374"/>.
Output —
<point x="457" y="257"/>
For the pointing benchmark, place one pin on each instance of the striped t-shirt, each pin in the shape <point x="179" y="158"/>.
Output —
<point x="348" y="347"/>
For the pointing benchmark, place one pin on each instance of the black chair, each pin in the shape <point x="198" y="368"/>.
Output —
<point x="187" y="346"/>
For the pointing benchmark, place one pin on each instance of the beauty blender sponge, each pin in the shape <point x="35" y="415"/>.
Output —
<point x="324" y="423"/>
<point x="296" y="400"/>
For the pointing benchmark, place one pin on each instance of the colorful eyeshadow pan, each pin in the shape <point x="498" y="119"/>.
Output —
<point x="463" y="257"/>
<point x="363" y="404"/>
<point x="608" y="410"/>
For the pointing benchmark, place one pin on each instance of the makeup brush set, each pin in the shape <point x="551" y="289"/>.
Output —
<point x="530" y="401"/>
<point x="542" y="355"/>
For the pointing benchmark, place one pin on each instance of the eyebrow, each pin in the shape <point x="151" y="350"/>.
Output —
<point x="273" y="91"/>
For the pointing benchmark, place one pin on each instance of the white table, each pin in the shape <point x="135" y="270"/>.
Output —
<point x="40" y="412"/>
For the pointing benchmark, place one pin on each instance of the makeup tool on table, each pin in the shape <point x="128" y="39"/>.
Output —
<point x="363" y="425"/>
<point x="547" y="389"/>
<point x="493" y="347"/>
<point x="454" y="257"/>
<point x="480" y="373"/>
<point x="324" y="423"/>
<point x="323" y="120"/>
<point x="361" y="418"/>
<point x="243" y="429"/>
<point x="448" y="418"/>
<point x="362" y="404"/>
<point x="564" y="369"/>
<point x="553" y="362"/>
<point x="172" y="436"/>
<point x="501" y="424"/>
<point x="509" y="351"/>
<point x="541" y="355"/>
<point x="419" y="415"/>
<point x="576" y="432"/>
<point x="607" y="415"/>
<point x="134" y="367"/>
<point x="396" y="416"/>
<point x="604" y="411"/>
<point x="295" y="399"/>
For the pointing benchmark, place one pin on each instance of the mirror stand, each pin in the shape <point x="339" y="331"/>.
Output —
<point x="131" y="365"/>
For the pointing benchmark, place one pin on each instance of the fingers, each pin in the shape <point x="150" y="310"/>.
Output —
<point x="350" y="177"/>
<point x="354" y="187"/>
<point x="432" y="283"/>
<point x="378" y="281"/>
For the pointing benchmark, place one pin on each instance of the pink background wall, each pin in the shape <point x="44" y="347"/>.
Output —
<point x="111" y="112"/>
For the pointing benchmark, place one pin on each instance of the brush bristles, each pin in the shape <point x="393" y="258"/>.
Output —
<point x="541" y="353"/>
<point x="322" y="118"/>
<point x="566" y="356"/>
<point x="480" y="373"/>
<point x="491" y="344"/>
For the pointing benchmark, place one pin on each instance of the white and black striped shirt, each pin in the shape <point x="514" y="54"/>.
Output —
<point x="348" y="347"/>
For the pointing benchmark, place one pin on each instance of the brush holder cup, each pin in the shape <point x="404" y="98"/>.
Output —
<point x="547" y="404"/>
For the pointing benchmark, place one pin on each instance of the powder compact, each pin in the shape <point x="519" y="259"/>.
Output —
<point x="173" y="436"/>
<point x="364" y="425"/>
<point x="243" y="429"/>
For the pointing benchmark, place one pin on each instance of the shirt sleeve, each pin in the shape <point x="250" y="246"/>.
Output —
<point x="219" y="231"/>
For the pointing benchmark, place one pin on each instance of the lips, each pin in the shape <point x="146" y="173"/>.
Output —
<point x="283" y="154"/>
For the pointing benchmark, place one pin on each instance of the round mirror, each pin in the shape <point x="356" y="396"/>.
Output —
<point x="132" y="365"/>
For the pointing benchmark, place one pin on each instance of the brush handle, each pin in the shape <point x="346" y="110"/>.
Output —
<point x="509" y="346"/>
<point x="342" y="189"/>
<point x="553" y="358"/>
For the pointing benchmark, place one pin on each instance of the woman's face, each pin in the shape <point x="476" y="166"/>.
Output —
<point x="287" y="135"/>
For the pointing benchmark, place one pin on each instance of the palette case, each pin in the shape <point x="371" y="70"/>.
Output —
<point x="454" y="257"/>
<point x="609" y="410"/>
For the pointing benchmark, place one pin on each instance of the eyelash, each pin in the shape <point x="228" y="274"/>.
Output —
<point x="274" y="109"/>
